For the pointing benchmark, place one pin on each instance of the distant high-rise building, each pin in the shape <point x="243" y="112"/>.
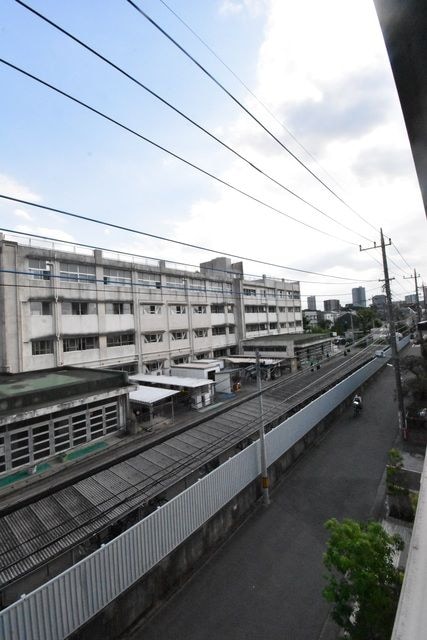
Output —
<point x="331" y="305"/>
<point x="311" y="303"/>
<point x="359" y="296"/>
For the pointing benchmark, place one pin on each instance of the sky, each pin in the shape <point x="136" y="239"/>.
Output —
<point x="315" y="74"/>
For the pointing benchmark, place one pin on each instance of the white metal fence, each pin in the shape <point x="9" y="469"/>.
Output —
<point x="65" y="603"/>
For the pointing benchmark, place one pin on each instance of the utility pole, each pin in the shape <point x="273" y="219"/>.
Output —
<point x="415" y="276"/>
<point x="264" y="473"/>
<point x="392" y="332"/>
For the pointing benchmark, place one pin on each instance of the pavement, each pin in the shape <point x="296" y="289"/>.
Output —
<point x="266" y="581"/>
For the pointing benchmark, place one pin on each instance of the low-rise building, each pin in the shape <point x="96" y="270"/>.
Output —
<point x="48" y="413"/>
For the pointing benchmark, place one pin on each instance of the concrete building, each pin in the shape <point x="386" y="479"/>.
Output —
<point x="411" y="298"/>
<point x="311" y="303"/>
<point x="359" y="296"/>
<point x="331" y="305"/>
<point x="312" y="318"/>
<point x="60" y="307"/>
<point x="46" y="413"/>
<point x="379" y="302"/>
<point x="299" y="351"/>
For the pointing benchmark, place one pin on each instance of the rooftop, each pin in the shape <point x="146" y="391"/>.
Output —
<point x="21" y="391"/>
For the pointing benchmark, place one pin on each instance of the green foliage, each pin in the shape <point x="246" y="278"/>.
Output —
<point x="395" y="480"/>
<point x="367" y="317"/>
<point x="418" y="367"/>
<point x="363" y="585"/>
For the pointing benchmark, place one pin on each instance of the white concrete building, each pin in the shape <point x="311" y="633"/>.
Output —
<point x="84" y="308"/>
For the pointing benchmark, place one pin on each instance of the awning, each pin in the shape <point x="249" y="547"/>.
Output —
<point x="150" y="395"/>
<point x="173" y="381"/>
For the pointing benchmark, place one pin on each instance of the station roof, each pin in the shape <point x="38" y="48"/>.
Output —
<point x="171" y="381"/>
<point x="150" y="395"/>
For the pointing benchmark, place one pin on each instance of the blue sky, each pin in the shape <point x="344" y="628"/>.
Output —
<point x="322" y="70"/>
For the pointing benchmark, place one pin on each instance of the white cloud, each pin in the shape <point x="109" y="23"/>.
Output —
<point x="49" y="232"/>
<point x="236" y="7"/>
<point x="20" y="213"/>
<point x="323" y="68"/>
<point x="11" y="187"/>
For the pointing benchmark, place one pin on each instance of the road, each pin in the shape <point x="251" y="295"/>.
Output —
<point x="266" y="580"/>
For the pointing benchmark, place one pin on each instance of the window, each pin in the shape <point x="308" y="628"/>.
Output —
<point x="231" y="329"/>
<point x="201" y="308"/>
<point x="175" y="282"/>
<point x="75" y="271"/>
<point x="153" y="337"/>
<point x="230" y="308"/>
<point x="119" y="308"/>
<point x="218" y="331"/>
<point x="255" y="308"/>
<point x="202" y="356"/>
<point x="39" y="308"/>
<point x="197" y="285"/>
<point x="78" y="308"/>
<point x="218" y="353"/>
<point x="227" y="288"/>
<point x="178" y="309"/>
<point x="271" y="309"/>
<point x="42" y="347"/>
<point x="217" y="308"/>
<point x="249" y="292"/>
<point x="200" y="333"/>
<point x="214" y="285"/>
<point x="297" y="308"/>
<point x="179" y="335"/>
<point x="280" y="293"/>
<point x="150" y="280"/>
<point x="120" y="339"/>
<point x="181" y="360"/>
<point x="152" y="309"/>
<point x="80" y="343"/>
<point x="273" y="325"/>
<point x="154" y="367"/>
<point x="117" y="276"/>
<point x="39" y="268"/>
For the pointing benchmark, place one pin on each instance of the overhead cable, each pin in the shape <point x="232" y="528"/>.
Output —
<point x="165" y="239"/>
<point x="246" y="110"/>
<point x="187" y="118"/>
<point x="171" y="153"/>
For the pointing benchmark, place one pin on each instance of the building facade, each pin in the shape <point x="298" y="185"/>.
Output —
<point x="46" y="413"/>
<point x="331" y="305"/>
<point x="88" y="309"/>
<point x="359" y="296"/>
<point x="311" y="303"/>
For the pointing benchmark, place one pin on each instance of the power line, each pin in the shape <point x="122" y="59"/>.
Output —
<point x="260" y="102"/>
<point x="183" y="115"/>
<point x="248" y="89"/>
<point x="169" y="152"/>
<point x="163" y="238"/>
<point x="135" y="255"/>
<point x="247" y="111"/>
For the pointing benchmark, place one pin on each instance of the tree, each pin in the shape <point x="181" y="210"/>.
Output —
<point x="417" y="385"/>
<point x="363" y="584"/>
<point x="367" y="319"/>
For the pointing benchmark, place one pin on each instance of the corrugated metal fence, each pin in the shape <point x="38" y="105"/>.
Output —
<point x="65" y="603"/>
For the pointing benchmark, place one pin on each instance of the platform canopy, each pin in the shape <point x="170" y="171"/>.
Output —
<point x="150" y="395"/>
<point x="173" y="381"/>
